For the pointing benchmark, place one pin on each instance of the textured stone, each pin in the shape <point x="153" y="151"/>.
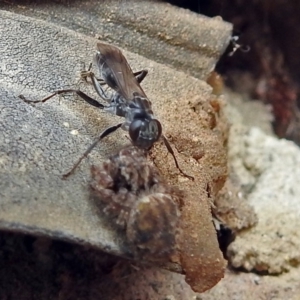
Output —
<point x="41" y="142"/>
<point x="273" y="244"/>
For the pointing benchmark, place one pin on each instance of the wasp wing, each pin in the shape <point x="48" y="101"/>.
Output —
<point x="116" y="72"/>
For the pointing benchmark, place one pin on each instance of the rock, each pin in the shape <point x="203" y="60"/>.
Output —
<point x="164" y="33"/>
<point x="39" y="144"/>
<point x="273" y="244"/>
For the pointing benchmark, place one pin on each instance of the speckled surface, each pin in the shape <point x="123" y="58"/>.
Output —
<point x="40" y="142"/>
<point x="272" y="245"/>
<point x="154" y="29"/>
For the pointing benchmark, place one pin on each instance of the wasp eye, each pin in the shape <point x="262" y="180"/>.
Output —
<point x="134" y="129"/>
<point x="155" y="129"/>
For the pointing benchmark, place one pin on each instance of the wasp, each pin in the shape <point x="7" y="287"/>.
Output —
<point x="128" y="100"/>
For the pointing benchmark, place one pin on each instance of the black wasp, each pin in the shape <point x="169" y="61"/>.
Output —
<point x="128" y="101"/>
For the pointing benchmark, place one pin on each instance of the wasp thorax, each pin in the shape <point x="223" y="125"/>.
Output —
<point x="144" y="133"/>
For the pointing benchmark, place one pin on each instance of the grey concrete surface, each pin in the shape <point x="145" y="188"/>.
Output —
<point x="154" y="29"/>
<point x="41" y="142"/>
<point x="38" y="143"/>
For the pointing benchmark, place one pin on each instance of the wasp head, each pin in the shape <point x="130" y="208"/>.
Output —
<point x="144" y="132"/>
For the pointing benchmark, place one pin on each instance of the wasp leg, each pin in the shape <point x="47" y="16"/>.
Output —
<point x="167" y="144"/>
<point x="98" y="83"/>
<point x="98" y="86"/>
<point x="139" y="75"/>
<point x="105" y="133"/>
<point x="100" y="91"/>
<point x="82" y="95"/>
